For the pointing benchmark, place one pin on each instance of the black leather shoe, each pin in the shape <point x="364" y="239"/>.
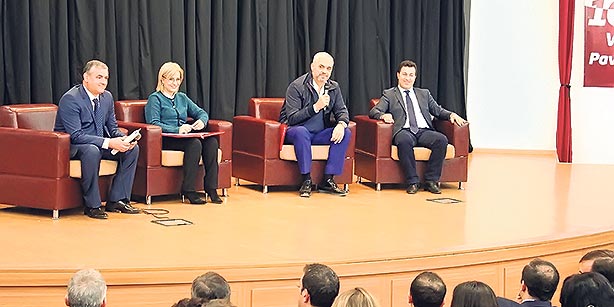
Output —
<point x="95" y="213"/>
<point x="214" y="197"/>
<point x="412" y="188"/>
<point x="329" y="186"/>
<point x="121" y="206"/>
<point x="192" y="197"/>
<point x="432" y="187"/>
<point x="305" y="190"/>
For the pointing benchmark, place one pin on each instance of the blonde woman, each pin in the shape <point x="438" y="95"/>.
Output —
<point x="357" y="297"/>
<point x="169" y="109"/>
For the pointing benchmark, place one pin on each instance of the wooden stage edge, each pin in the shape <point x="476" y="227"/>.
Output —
<point x="275" y="285"/>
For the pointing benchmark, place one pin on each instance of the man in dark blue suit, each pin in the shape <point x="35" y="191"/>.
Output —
<point x="410" y="110"/>
<point x="86" y="112"/>
<point x="539" y="281"/>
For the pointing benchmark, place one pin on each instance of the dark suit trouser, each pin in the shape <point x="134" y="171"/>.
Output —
<point x="90" y="156"/>
<point x="302" y="140"/>
<point x="431" y="139"/>
<point x="193" y="149"/>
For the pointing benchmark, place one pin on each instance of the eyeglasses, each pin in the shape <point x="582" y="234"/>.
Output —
<point x="173" y="79"/>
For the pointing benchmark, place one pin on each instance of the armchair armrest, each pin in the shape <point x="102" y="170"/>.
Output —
<point x="457" y="136"/>
<point x="375" y="136"/>
<point x="34" y="153"/>
<point x="225" y="139"/>
<point x="150" y="144"/>
<point x="256" y="136"/>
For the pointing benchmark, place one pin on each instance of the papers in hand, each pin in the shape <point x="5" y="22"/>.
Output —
<point x="201" y="135"/>
<point x="129" y="139"/>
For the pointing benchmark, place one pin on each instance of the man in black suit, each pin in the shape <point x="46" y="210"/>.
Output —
<point x="86" y="112"/>
<point x="586" y="262"/>
<point x="410" y="110"/>
<point x="539" y="281"/>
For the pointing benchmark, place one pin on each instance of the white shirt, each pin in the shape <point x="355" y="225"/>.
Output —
<point x="414" y="100"/>
<point x="105" y="143"/>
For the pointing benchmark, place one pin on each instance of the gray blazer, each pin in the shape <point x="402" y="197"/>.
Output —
<point x="392" y="102"/>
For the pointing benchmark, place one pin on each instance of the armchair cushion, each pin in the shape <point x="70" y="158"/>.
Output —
<point x="107" y="167"/>
<point x="422" y="153"/>
<point x="318" y="152"/>
<point x="175" y="157"/>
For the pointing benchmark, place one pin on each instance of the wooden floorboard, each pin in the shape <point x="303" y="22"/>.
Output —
<point x="512" y="199"/>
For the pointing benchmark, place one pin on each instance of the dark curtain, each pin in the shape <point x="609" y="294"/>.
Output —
<point x="563" y="127"/>
<point x="231" y="50"/>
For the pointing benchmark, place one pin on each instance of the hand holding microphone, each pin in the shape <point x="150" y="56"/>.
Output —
<point x="324" y="100"/>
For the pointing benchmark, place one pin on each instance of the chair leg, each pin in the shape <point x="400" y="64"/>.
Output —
<point x="460" y="185"/>
<point x="148" y="200"/>
<point x="265" y="189"/>
<point x="237" y="181"/>
<point x="359" y="179"/>
<point x="225" y="192"/>
<point x="346" y="186"/>
<point x="378" y="186"/>
<point x="56" y="214"/>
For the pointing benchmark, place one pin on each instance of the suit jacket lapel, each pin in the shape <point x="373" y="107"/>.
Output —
<point x="400" y="100"/>
<point x="424" y="108"/>
<point x="87" y="101"/>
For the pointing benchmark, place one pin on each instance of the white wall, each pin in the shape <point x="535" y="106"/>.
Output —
<point x="592" y="108"/>
<point x="512" y="88"/>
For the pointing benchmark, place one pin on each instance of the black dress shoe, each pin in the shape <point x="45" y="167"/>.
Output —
<point x="305" y="190"/>
<point x="95" y="213"/>
<point x="329" y="186"/>
<point x="192" y="197"/>
<point x="214" y="197"/>
<point x="121" y="206"/>
<point x="432" y="187"/>
<point x="412" y="188"/>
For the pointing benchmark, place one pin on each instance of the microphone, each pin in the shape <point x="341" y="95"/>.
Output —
<point x="326" y="89"/>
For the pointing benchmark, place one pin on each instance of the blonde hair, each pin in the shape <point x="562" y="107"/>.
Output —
<point x="167" y="69"/>
<point x="357" y="297"/>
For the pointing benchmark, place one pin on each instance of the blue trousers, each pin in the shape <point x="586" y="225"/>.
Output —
<point x="431" y="139"/>
<point x="90" y="156"/>
<point x="302" y="140"/>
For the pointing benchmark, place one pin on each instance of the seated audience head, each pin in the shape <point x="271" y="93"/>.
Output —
<point x="605" y="267"/>
<point x="190" y="302"/>
<point x="473" y="294"/>
<point x="357" y="297"/>
<point x="427" y="290"/>
<point x="586" y="262"/>
<point x="539" y="280"/>
<point x="587" y="289"/>
<point x="319" y="286"/>
<point x="210" y="286"/>
<point x="86" y="288"/>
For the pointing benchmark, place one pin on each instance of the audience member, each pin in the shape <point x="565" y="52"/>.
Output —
<point x="586" y="262"/>
<point x="410" y="110"/>
<point x="319" y="286"/>
<point x="537" y="286"/>
<point x="210" y="286"/>
<point x="312" y="101"/>
<point x="473" y="294"/>
<point x="87" y="113"/>
<point x="427" y="290"/>
<point x="357" y="297"/>
<point x="190" y="302"/>
<point x="219" y="303"/>
<point x="605" y="267"/>
<point x="86" y="288"/>
<point x="587" y="289"/>
<point x="169" y="109"/>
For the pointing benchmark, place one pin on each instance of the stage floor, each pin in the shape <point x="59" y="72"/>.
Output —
<point x="511" y="198"/>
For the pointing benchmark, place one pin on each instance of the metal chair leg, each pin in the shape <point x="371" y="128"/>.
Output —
<point x="359" y="179"/>
<point x="148" y="200"/>
<point x="265" y="189"/>
<point x="378" y="186"/>
<point x="56" y="214"/>
<point x="225" y="192"/>
<point x="237" y="181"/>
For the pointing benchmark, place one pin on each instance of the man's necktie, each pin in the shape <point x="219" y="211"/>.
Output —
<point x="413" y="125"/>
<point x="98" y="117"/>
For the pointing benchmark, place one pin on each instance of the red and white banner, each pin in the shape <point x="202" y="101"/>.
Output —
<point x="599" y="43"/>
